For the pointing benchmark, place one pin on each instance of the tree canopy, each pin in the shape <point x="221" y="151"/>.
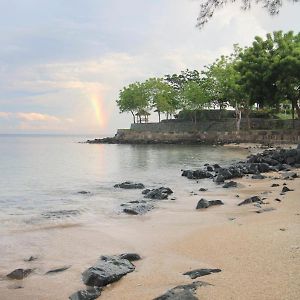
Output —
<point x="265" y="74"/>
<point x="208" y="8"/>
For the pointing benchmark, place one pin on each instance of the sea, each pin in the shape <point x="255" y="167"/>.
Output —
<point x="42" y="176"/>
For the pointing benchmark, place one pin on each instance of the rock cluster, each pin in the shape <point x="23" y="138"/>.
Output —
<point x="269" y="160"/>
<point x="140" y="207"/>
<point x="107" y="270"/>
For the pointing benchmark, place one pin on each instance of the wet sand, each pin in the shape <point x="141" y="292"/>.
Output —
<point x="259" y="254"/>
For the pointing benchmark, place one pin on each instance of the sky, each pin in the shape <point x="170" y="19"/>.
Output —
<point x="63" y="62"/>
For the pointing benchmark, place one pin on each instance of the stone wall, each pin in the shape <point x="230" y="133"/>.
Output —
<point x="209" y="137"/>
<point x="208" y="126"/>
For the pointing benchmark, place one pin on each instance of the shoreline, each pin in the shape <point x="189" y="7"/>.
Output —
<point x="177" y="238"/>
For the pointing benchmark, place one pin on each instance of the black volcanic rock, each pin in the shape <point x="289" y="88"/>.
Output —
<point x="203" y="203"/>
<point x="183" y="292"/>
<point x="137" y="208"/>
<point x="201" y="272"/>
<point x="89" y="294"/>
<point x="129" y="185"/>
<point x="286" y="189"/>
<point x="19" y="273"/>
<point x="58" y="270"/>
<point x="230" y="184"/>
<point x="107" y="270"/>
<point x="253" y="199"/>
<point x="159" y="194"/>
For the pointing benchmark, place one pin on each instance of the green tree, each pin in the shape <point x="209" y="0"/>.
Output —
<point x="194" y="97"/>
<point x="161" y="96"/>
<point x="269" y="70"/>
<point x="133" y="99"/>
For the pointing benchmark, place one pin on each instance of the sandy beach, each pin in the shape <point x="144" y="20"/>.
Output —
<point x="259" y="254"/>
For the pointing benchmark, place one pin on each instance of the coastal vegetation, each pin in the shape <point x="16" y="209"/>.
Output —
<point x="264" y="77"/>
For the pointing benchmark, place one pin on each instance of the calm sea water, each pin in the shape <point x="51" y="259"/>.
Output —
<point x="41" y="175"/>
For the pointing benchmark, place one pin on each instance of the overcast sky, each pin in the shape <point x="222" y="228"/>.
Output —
<point x="63" y="62"/>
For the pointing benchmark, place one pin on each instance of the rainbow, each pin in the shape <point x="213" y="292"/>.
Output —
<point x="96" y="102"/>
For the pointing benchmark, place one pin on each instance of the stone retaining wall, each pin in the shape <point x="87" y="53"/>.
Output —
<point x="209" y="137"/>
<point x="224" y="125"/>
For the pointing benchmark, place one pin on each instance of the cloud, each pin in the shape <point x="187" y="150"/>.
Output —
<point x="58" y="57"/>
<point x="32" y="117"/>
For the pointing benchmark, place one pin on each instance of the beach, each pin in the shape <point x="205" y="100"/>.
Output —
<point x="258" y="253"/>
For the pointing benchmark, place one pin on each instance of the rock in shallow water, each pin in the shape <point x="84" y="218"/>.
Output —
<point x="59" y="214"/>
<point x="254" y="199"/>
<point x="129" y="185"/>
<point x="260" y="211"/>
<point x="230" y="184"/>
<point x="183" y="292"/>
<point x="19" y="273"/>
<point x="130" y="256"/>
<point x="203" y="203"/>
<point x="138" y="208"/>
<point x="201" y="272"/>
<point x="58" y="270"/>
<point x="107" y="270"/>
<point x="286" y="189"/>
<point x="159" y="194"/>
<point x="89" y="294"/>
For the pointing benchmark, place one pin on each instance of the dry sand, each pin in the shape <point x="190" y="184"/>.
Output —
<point x="259" y="254"/>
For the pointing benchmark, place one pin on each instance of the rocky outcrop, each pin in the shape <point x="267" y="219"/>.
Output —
<point x="269" y="160"/>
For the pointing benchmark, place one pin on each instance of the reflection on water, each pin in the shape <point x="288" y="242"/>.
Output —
<point x="42" y="174"/>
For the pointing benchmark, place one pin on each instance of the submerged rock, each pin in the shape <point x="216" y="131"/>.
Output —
<point x="265" y="210"/>
<point x="258" y="176"/>
<point x="183" y="292"/>
<point x="252" y="199"/>
<point x="129" y="185"/>
<point x="107" y="270"/>
<point x="203" y="203"/>
<point x="58" y="270"/>
<point x="274" y="185"/>
<point x="159" y="194"/>
<point x="201" y="272"/>
<point x="202" y="190"/>
<point x="83" y="192"/>
<point x="89" y="294"/>
<point x="19" y="273"/>
<point x="137" y="208"/>
<point x="130" y="256"/>
<point x="230" y="184"/>
<point x="31" y="258"/>
<point x="58" y="214"/>
<point x="286" y="189"/>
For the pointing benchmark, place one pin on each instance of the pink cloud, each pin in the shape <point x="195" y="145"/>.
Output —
<point x="36" y="117"/>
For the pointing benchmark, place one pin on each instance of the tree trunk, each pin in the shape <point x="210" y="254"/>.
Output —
<point x="238" y="117"/>
<point x="297" y="109"/>
<point x="158" y="116"/>
<point x="247" y="110"/>
<point x="293" y="113"/>
<point x="133" y="116"/>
